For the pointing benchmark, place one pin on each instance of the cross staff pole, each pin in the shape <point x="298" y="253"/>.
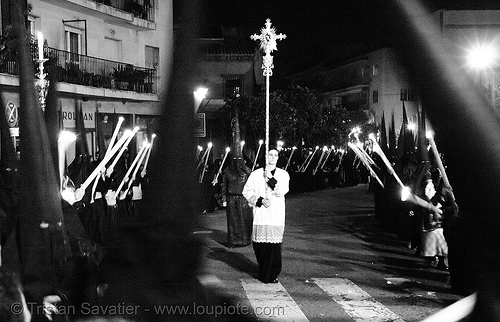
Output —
<point x="267" y="39"/>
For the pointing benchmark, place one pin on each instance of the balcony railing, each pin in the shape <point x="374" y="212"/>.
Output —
<point x="143" y="9"/>
<point x="90" y="71"/>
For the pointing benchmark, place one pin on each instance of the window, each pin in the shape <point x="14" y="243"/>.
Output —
<point x="375" y="70"/>
<point x="408" y="94"/>
<point x="233" y="85"/>
<point x="113" y="49"/>
<point x="152" y="57"/>
<point x="375" y="96"/>
<point x="31" y="25"/>
<point x="73" y="38"/>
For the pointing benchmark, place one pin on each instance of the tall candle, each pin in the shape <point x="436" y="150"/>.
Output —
<point x="115" y="134"/>
<point x="101" y="165"/>
<point x="216" y="177"/>
<point x="130" y="169"/>
<point x="257" y="155"/>
<point x="40" y="45"/>
<point x="290" y="157"/>
<point x="111" y="168"/>
<point x="205" y="164"/>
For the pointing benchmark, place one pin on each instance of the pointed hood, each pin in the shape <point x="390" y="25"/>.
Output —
<point x="236" y="140"/>
<point x="43" y="243"/>
<point x="406" y="141"/>
<point x="392" y="137"/>
<point x="383" y="136"/>
<point x="422" y="153"/>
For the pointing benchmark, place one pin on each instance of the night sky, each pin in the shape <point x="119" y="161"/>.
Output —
<point x="315" y="29"/>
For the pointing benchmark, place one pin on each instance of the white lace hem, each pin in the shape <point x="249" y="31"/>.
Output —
<point x="267" y="234"/>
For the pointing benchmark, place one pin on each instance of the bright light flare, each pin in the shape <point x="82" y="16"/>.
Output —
<point x="412" y="126"/>
<point x="209" y="144"/>
<point x="67" y="137"/>
<point x="429" y="134"/>
<point x="482" y="56"/>
<point x="200" y="93"/>
<point x="228" y="149"/>
<point x="261" y="142"/>
<point x="405" y="193"/>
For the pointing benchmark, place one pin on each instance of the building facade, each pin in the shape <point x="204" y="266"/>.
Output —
<point x="229" y="66"/>
<point x="373" y="82"/>
<point x="110" y="57"/>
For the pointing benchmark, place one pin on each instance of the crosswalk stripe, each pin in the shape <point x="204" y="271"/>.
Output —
<point x="356" y="303"/>
<point x="271" y="302"/>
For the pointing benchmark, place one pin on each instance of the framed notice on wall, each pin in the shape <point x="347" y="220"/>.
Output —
<point x="200" y="129"/>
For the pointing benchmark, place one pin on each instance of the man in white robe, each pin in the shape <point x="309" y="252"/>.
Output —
<point x="265" y="191"/>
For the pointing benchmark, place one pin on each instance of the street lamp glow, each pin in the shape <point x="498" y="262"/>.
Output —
<point x="482" y="56"/>
<point x="412" y="126"/>
<point x="200" y="93"/>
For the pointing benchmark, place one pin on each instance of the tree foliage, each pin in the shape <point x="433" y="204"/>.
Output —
<point x="297" y="116"/>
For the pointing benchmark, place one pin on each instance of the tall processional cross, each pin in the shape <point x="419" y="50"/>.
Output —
<point x="268" y="38"/>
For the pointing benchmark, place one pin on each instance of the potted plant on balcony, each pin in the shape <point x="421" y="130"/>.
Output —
<point x="122" y="76"/>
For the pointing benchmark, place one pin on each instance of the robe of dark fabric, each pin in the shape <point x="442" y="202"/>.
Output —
<point x="239" y="213"/>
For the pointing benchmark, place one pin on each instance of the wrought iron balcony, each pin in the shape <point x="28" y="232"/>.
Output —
<point x="90" y="71"/>
<point x="143" y="9"/>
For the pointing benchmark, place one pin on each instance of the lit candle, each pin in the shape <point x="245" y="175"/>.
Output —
<point x="216" y="177"/>
<point x="290" y="157"/>
<point x="40" y="45"/>
<point x="257" y="155"/>
<point x="205" y="164"/>
<point x="149" y="152"/>
<point x="377" y="149"/>
<point x="65" y="139"/>
<point x="132" y="167"/>
<point x="123" y="146"/>
<point x="101" y="165"/>
<point x="115" y="134"/>
<point x="320" y="159"/>
<point x="310" y="159"/>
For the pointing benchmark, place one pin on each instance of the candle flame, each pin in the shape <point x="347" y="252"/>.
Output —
<point x="67" y="137"/>
<point x="405" y="193"/>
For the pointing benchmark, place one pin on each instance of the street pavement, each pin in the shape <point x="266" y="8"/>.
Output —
<point x="337" y="265"/>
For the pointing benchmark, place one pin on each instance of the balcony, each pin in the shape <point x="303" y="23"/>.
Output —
<point x="143" y="9"/>
<point x="135" y="14"/>
<point x="90" y="71"/>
